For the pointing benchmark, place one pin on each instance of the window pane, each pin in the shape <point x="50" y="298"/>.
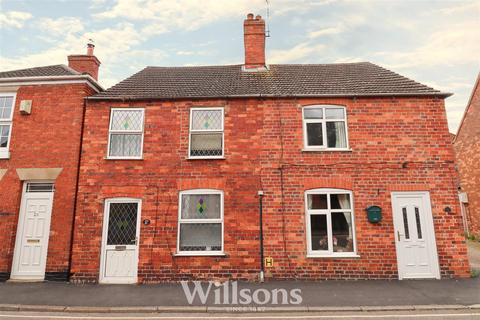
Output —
<point x="127" y="120"/>
<point x="317" y="201"/>
<point x="318" y="232"/>
<point x="6" y="106"/>
<point x="201" y="206"/>
<point x="122" y="224"/>
<point x="340" y="201"/>
<point x="206" y="144"/>
<point x="336" y="135"/>
<point x="342" y="235"/>
<point x="419" y="224"/>
<point x="4" y="130"/>
<point x="405" y="223"/>
<point x="201" y="237"/>
<point x="334" y="113"/>
<point x="314" y="134"/>
<point x="315" y="113"/>
<point x="125" y="145"/>
<point x="207" y="120"/>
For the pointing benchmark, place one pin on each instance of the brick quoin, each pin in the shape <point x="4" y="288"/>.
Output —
<point x="47" y="138"/>
<point x="397" y="144"/>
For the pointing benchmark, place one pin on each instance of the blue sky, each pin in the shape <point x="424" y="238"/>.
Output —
<point x="433" y="42"/>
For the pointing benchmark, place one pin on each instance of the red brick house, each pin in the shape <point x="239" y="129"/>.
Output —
<point x="177" y="160"/>
<point x="467" y="150"/>
<point x="41" y="121"/>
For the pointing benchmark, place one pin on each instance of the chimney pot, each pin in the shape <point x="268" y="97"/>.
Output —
<point x="254" y="41"/>
<point x="90" y="48"/>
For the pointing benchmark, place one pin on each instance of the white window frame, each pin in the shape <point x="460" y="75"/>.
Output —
<point x="110" y="132"/>
<point x="191" y="131"/>
<point x="186" y="221"/>
<point x="328" y="212"/>
<point x="5" y="151"/>
<point x="324" y="147"/>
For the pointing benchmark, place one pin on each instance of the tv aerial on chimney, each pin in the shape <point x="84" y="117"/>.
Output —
<point x="267" y="19"/>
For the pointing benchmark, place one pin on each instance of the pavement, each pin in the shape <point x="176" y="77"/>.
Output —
<point x="364" y="295"/>
<point x="474" y="255"/>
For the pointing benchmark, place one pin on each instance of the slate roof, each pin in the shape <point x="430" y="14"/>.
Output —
<point x="280" y="80"/>
<point x="47" y="71"/>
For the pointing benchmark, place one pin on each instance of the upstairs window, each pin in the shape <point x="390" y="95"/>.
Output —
<point x="325" y="127"/>
<point x="206" y="133"/>
<point x="126" y="133"/>
<point x="7" y="103"/>
<point x="200" y="222"/>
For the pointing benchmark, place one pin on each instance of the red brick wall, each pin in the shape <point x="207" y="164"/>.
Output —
<point x="48" y="138"/>
<point x="84" y="64"/>
<point x="467" y="149"/>
<point x="263" y="150"/>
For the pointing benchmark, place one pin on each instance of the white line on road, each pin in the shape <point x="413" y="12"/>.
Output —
<point x="239" y="316"/>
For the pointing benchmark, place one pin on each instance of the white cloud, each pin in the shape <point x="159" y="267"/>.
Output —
<point x="294" y="54"/>
<point x="325" y="31"/>
<point x="14" y="19"/>
<point x="453" y="44"/>
<point x="61" y="26"/>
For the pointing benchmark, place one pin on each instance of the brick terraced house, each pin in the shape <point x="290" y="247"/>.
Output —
<point x="41" y="121"/>
<point x="467" y="150"/>
<point x="348" y="166"/>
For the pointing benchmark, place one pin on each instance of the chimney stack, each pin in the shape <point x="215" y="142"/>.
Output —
<point x="85" y="63"/>
<point x="254" y="40"/>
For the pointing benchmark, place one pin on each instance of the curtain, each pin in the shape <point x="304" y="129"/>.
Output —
<point x="344" y="200"/>
<point x="341" y="137"/>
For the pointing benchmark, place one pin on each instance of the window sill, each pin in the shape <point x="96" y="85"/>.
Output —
<point x="205" y="158"/>
<point x="123" y="158"/>
<point x="4" y="155"/>
<point x="200" y="254"/>
<point x="332" y="256"/>
<point x="326" y="149"/>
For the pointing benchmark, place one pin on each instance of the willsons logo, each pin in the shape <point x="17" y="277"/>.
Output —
<point x="228" y="293"/>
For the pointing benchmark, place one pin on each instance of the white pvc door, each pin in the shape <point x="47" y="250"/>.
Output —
<point x="31" y="246"/>
<point x="119" y="258"/>
<point x="414" y="236"/>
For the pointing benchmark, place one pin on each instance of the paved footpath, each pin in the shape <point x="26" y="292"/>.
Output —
<point x="321" y="295"/>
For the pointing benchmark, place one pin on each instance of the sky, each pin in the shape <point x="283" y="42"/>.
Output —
<point x="435" y="42"/>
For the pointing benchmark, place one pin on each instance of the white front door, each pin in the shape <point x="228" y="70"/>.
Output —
<point x="414" y="236"/>
<point x="31" y="245"/>
<point x="121" y="228"/>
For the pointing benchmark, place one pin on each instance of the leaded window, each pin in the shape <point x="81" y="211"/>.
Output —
<point x="200" y="223"/>
<point x="330" y="223"/>
<point x="7" y="104"/>
<point x="325" y="127"/>
<point x="126" y="133"/>
<point x="206" y="133"/>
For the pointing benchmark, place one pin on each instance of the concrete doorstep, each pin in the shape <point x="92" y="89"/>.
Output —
<point x="223" y="309"/>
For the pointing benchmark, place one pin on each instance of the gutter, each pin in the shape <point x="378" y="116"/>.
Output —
<point x="81" y="78"/>
<point x="348" y="95"/>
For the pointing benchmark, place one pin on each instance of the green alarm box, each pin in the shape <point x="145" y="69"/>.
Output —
<point x="374" y="214"/>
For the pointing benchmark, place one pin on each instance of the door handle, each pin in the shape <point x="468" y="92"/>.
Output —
<point x="398" y="235"/>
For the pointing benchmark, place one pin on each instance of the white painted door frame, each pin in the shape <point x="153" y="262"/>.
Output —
<point x="22" y="239"/>
<point x="104" y="247"/>
<point x="428" y="231"/>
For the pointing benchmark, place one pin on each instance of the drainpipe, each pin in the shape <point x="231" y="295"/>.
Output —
<point x="260" y="198"/>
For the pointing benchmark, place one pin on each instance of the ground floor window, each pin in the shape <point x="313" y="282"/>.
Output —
<point x="200" y="222"/>
<point x="330" y="222"/>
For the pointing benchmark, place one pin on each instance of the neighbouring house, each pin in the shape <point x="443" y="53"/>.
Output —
<point x="350" y="166"/>
<point x="467" y="150"/>
<point x="41" y="121"/>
